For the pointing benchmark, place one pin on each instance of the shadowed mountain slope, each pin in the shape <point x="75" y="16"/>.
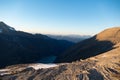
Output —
<point x="102" y="42"/>
<point x="18" y="47"/>
<point x="105" y="66"/>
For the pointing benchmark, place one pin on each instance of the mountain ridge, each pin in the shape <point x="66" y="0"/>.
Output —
<point x="72" y="38"/>
<point x="22" y="47"/>
<point x="102" y="42"/>
<point x="5" y="28"/>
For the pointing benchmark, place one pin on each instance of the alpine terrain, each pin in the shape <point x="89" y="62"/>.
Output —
<point x="18" y="47"/>
<point x="97" y="58"/>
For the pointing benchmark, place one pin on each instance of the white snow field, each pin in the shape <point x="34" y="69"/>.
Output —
<point x="42" y="66"/>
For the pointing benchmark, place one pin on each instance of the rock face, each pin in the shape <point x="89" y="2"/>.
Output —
<point x="102" y="42"/>
<point x="17" y="47"/>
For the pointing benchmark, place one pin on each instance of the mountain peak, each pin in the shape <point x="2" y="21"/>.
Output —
<point x="5" y="28"/>
<point x="1" y="22"/>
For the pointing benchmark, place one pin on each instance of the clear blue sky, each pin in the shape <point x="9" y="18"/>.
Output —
<point x="61" y="16"/>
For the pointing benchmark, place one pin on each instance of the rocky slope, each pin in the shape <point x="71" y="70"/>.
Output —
<point x="102" y="42"/>
<point x="105" y="66"/>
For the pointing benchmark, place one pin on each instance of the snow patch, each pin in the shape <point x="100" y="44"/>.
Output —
<point x="42" y="66"/>
<point x="4" y="71"/>
<point x="1" y="70"/>
<point x="11" y="28"/>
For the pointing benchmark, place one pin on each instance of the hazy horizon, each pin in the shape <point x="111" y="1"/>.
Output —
<point x="76" y="17"/>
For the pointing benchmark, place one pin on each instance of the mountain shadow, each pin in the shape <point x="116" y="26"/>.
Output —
<point x="93" y="46"/>
<point x="18" y="47"/>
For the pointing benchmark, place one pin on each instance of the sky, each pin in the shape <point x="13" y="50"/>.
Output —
<point x="81" y="17"/>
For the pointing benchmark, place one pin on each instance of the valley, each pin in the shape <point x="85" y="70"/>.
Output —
<point x="96" y="58"/>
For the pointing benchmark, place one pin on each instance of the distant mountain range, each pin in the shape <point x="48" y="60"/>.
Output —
<point x="17" y="47"/>
<point x="72" y="38"/>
